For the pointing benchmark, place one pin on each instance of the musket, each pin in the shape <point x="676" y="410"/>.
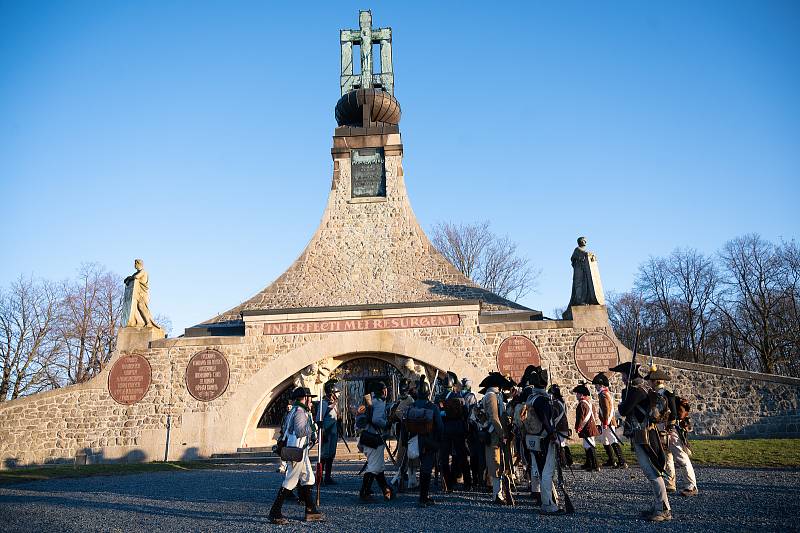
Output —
<point x="345" y="443"/>
<point x="630" y="370"/>
<point x="568" y="507"/>
<point x="388" y="449"/>
<point x="319" y="453"/>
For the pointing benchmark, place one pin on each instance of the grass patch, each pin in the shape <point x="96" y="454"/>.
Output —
<point x="36" y="473"/>
<point x="742" y="453"/>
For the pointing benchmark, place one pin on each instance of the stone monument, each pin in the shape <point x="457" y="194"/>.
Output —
<point x="138" y="327"/>
<point x="587" y="289"/>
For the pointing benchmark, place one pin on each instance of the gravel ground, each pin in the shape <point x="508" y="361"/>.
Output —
<point x="238" y="498"/>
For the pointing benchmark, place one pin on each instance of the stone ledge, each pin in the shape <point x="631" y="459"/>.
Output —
<point x="525" y="326"/>
<point x="723" y="371"/>
<point x="368" y="200"/>
<point x="197" y="341"/>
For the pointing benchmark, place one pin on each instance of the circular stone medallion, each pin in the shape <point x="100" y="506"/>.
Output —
<point x="207" y="375"/>
<point x="515" y="354"/>
<point x="129" y="379"/>
<point x="594" y="353"/>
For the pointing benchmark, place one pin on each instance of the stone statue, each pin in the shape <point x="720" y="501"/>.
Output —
<point x="586" y="286"/>
<point x="307" y="377"/>
<point x="410" y="369"/>
<point x="135" y="309"/>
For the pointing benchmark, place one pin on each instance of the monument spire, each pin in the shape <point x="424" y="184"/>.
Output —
<point x="364" y="38"/>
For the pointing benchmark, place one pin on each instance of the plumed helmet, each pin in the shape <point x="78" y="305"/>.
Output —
<point x="423" y="389"/>
<point x="600" y="379"/>
<point x="450" y="380"/>
<point x="330" y="387"/>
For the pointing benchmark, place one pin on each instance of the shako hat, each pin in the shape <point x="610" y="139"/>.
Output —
<point x="600" y="379"/>
<point x="496" y="379"/>
<point x="302" y="392"/>
<point x="582" y="389"/>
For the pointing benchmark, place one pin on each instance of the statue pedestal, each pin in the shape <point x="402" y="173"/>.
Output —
<point x="137" y="338"/>
<point x="587" y="316"/>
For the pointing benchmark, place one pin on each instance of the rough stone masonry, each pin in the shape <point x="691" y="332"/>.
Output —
<point x="369" y="283"/>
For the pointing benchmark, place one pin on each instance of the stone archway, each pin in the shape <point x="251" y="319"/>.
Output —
<point x="235" y="421"/>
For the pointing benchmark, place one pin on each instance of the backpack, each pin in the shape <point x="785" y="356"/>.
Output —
<point x="454" y="408"/>
<point x="531" y="422"/>
<point x="419" y="420"/>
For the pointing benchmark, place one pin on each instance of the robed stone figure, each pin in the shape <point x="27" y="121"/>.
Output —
<point x="135" y="308"/>
<point x="586" y="286"/>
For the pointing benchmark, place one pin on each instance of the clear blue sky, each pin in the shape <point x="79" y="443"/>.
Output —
<point x="197" y="135"/>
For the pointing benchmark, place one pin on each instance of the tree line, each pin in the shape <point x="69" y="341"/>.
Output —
<point x="54" y="334"/>
<point x="738" y="307"/>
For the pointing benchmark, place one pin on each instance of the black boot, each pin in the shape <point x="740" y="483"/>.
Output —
<point x="621" y="463"/>
<point x="366" y="487"/>
<point x="568" y="456"/>
<point x="424" y="489"/>
<point x="611" y="463"/>
<point x="328" y="465"/>
<point x="587" y="461"/>
<point x="312" y="513"/>
<point x="275" y="514"/>
<point x="594" y="466"/>
<point x="388" y="493"/>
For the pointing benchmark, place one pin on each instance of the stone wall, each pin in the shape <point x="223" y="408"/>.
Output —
<point x="58" y="425"/>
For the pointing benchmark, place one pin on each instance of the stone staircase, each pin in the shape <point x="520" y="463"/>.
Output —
<point x="265" y="455"/>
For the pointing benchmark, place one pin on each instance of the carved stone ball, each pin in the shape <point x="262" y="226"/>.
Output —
<point x="382" y="107"/>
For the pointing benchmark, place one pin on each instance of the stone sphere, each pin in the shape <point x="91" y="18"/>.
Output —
<point x="383" y="108"/>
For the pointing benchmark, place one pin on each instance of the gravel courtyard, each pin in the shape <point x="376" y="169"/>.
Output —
<point x="238" y="498"/>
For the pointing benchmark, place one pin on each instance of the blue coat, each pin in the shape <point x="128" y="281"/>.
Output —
<point x="330" y="428"/>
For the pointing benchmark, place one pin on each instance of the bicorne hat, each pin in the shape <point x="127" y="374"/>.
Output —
<point x="496" y="379"/>
<point x="582" y="389"/>
<point x="658" y="374"/>
<point x="625" y="368"/>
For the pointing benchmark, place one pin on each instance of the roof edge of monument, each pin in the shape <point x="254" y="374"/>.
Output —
<point x="359" y="307"/>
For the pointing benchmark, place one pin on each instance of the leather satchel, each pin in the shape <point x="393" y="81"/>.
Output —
<point x="370" y="440"/>
<point x="292" y="454"/>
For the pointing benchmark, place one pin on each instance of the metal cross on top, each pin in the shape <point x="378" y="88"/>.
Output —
<point x="365" y="37"/>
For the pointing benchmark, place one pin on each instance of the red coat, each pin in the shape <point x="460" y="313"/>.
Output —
<point x="582" y="412"/>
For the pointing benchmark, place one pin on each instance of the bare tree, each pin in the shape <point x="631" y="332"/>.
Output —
<point x="91" y="307"/>
<point x="489" y="260"/>
<point x="28" y="312"/>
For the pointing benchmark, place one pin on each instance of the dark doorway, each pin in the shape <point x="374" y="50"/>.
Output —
<point x="357" y="377"/>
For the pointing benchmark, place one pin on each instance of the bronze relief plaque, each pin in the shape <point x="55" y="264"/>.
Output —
<point x="129" y="379"/>
<point x="515" y="354"/>
<point x="595" y="352"/>
<point x="207" y="375"/>
<point x="367" y="173"/>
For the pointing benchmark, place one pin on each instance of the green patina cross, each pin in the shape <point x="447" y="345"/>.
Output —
<point x="365" y="37"/>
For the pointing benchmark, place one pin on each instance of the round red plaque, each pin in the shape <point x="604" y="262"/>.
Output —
<point x="129" y="379"/>
<point x="594" y="353"/>
<point x="207" y="375"/>
<point x="515" y="354"/>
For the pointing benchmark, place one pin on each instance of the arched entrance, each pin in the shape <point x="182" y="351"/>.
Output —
<point x="356" y="377"/>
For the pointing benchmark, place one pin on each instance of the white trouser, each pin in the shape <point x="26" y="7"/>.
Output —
<point x="588" y="442"/>
<point x="660" y="500"/>
<point x="299" y="472"/>
<point x="375" y="460"/>
<point x="549" y="496"/>
<point x="535" y="485"/>
<point x="607" y="437"/>
<point x="678" y="455"/>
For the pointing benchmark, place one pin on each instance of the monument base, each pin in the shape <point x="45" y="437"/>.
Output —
<point x="137" y="338"/>
<point x="587" y="316"/>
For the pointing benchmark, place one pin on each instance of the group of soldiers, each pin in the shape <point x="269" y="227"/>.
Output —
<point x="515" y="433"/>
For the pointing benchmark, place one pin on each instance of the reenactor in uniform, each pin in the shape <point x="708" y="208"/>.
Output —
<point x="635" y="407"/>
<point x="608" y="437"/>
<point x="300" y="432"/>
<point x="402" y="478"/>
<point x="474" y="446"/>
<point x="494" y="407"/>
<point x="677" y="451"/>
<point x="372" y="444"/>
<point x="454" y="439"/>
<point x="424" y="423"/>
<point x="586" y="426"/>
<point x="329" y="407"/>
<point x="561" y="424"/>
